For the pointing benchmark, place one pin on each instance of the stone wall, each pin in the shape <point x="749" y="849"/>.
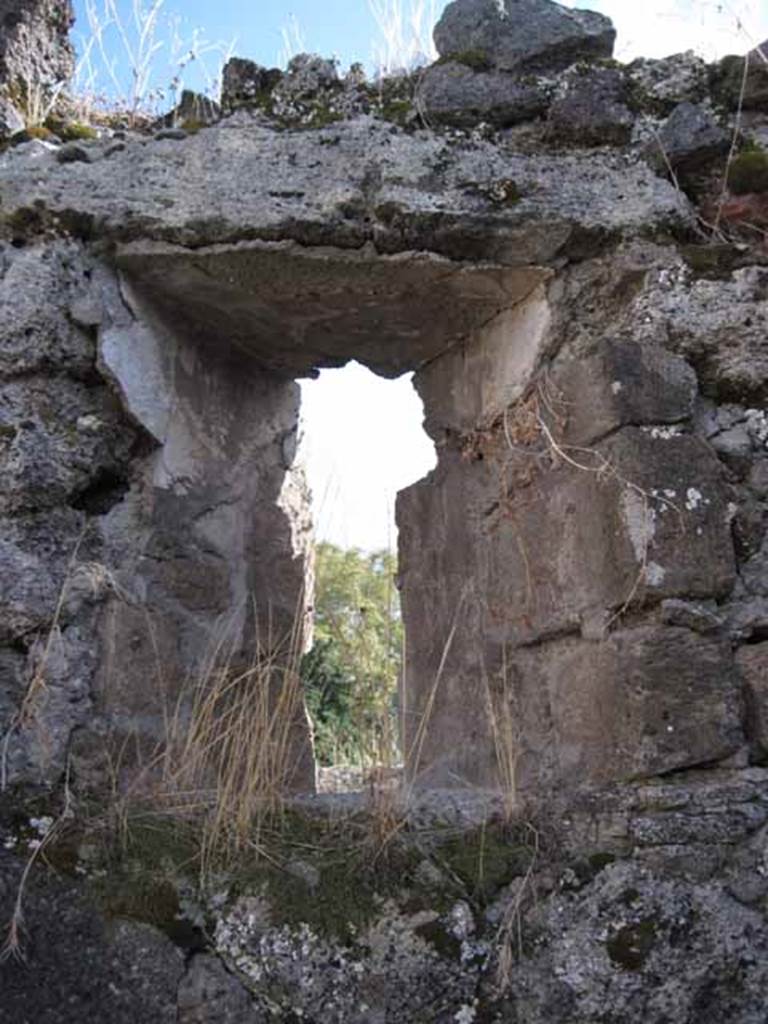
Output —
<point x="36" y="59"/>
<point x="585" y="523"/>
<point x="585" y="593"/>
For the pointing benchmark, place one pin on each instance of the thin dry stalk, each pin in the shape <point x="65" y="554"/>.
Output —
<point x="509" y="938"/>
<point x="506" y="739"/>
<point x="233" y="751"/>
<point x="734" y="147"/>
<point x="28" y="714"/>
<point x="13" y="948"/>
<point x="405" y="33"/>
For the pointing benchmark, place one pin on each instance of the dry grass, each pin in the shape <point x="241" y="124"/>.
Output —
<point x="231" y="750"/>
<point x="405" y="34"/>
<point x="501" y="708"/>
<point x="12" y="947"/>
<point x="134" y="61"/>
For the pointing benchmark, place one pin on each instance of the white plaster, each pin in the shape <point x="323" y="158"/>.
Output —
<point x="640" y="521"/>
<point x="654" y="574"/>
<point x="694" y="499"/>
<point x="664" y="433"/>
<point x="133" y="356"/>
<point x="500" y="360"/>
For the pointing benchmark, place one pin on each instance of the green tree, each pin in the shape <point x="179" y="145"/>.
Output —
<point x="351" y="673"/>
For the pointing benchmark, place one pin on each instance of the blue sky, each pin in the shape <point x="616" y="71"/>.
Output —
<point x="355" y="474"/>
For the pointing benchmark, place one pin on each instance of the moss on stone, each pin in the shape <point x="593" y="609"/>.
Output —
<point x="631" y="945"/>
<point x="71" y="131"/>
<point x="477" y="60"/>
<point x="485" y="860"/>
<point x="715" y="262"/>
<point x="748" y="172"/>
<point x="397" y="111"/>
<point x="38" y="131"/>
<point x="440" y="939"/>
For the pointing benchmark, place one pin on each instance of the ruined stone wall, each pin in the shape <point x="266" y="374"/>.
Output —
<point x="149" y="498"/>
<point x="597" y="533"/>
<point x="583" y="575"/>
<point x="541" y="290"/>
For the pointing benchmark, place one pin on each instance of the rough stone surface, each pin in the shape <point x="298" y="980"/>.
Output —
<point x="208" y="994"/>
<point x="643" y="702"/>
<point x="663" y="84"/>
<point x="729" y="84"/>
<point x="245" y="83"/>
<point x="584" y="574"/>
<point x="523" y="35"/>
<point x="79" y="966"/>
<point x="423" y="192"/>
<point x="592" y="110"/>
<point x="594" y="954"/>
<point x="450" y="93"/>
<point x="718" y="326"/>
<point x="35" y="51"/>
<point x="11" y="119"/>
<point x="753" y="663"/>
<point x="689" y="138"/>
<point x="194" y="109"/>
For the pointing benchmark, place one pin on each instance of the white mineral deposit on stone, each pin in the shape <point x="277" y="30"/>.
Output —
<point x="640" y="521"/>
<point x="693" y="499"/>
<point x="654" y="574"/>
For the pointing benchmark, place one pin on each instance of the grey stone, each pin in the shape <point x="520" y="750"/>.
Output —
<point x="592" y="110"/>
<point x="660" y="499"/>
<point x="171" y="134"/>
<point x="34" y="554"/>
<point x="317" y="188"/>
<point x="37" y="287"/>
<point x="523" y="35"/>
<point x="659" y="85"/>
<point x="752" y="661"/>
<point x="246" y="84"/>
<point x="748" y="618"/>
<point x="11" y="120"/>
<point x="718" y="326"/>
<point x="622" y="384"/>
<point x="645" y="701"/>
<point x="193" y="109"/>
<point x="79" y="965"/>
<point x="451" y="93"/>
<point x="390" y="971"/>
<point x="311" y="94"/>
<point x="391" y="313"/>
<point x="689" y="139"/>
<point x="35" y="50"/>
<point x="73" y="153"/>
<point x="731" y="88"/>
<point x="209" y="994"/>
<point x="758" y="477"/>
<point x="601" y="947"/>
<point x="697" y="617"/>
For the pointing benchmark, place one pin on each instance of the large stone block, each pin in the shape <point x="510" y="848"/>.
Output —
<point x="454" y="94"/>
<point x="752" y="661"/>
<point x="621" y="384"/>
<point x="35" y="50"/>
<point x="524" y="35"/>
<point x="642" y="702"/>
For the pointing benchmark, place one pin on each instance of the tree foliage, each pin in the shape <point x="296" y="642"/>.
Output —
<point x="351" y="673"/>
